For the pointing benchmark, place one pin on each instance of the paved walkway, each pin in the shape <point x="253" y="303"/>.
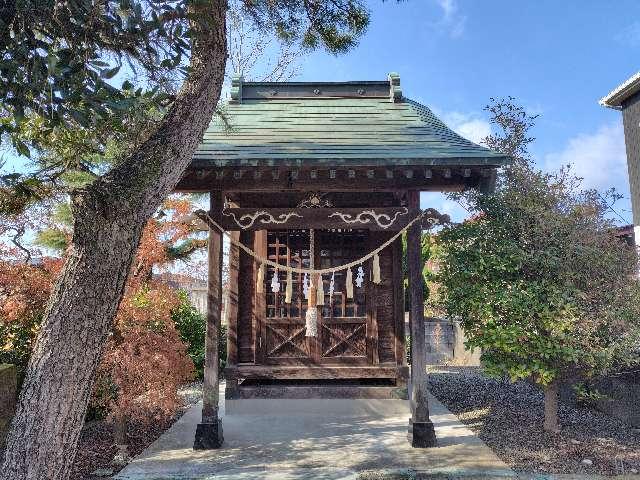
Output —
<point x="320" y="446"/>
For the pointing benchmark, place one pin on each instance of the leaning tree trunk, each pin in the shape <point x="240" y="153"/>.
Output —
<point x="109" y="217"/>
<point x="551" y="407"/>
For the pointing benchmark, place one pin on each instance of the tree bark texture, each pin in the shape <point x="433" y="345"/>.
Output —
<point x="109" y="217"/>
<point x="551" y="407"/>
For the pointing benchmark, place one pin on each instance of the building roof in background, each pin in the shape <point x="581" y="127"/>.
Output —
<point x="368" y="123"/>
<point x="180" y="281"/>
<point x="620" y="94"/>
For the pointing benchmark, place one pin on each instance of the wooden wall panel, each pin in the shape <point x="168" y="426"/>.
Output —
<point x="383" y="301"/>
<point x="246" y="302"/>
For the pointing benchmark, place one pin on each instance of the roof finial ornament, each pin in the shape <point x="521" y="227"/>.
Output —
<point x="395" y="91"/>
<point x="236" y="88"/>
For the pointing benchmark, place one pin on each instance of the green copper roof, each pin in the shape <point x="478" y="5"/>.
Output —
<point x="353" y="123"/>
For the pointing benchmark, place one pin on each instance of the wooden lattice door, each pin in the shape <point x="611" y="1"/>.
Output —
<point x="342" y="322"/>
<point x="283" y="328"/>
<point x="343" y="327"/>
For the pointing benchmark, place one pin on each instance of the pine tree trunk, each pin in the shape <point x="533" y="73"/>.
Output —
<point x="109" y="217"/>
<point x="551" y="407"/>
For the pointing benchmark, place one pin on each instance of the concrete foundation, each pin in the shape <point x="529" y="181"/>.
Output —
<point x="316" y="444"/>
<point x="337" y="407"/>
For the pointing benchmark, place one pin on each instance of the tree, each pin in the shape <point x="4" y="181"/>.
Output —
<point x="425" y="254"/>
<point x="254" y="54"/>
<point x="56" y="71"/>
<point x="537" y="276"/>
<point x="24" y="290"/>
<point x="145" y="360"/>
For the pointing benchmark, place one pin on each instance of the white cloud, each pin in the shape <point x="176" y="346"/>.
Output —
<point x="598" y="157"/>
<point x="470" y="125"/>
<point x="442" y="204"/>
<point x="474" y="130"/>
<point x="452" y="21"/>
<point x="629" y="35"/>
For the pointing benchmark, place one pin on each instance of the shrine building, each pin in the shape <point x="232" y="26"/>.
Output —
<point x="315" y="182"/>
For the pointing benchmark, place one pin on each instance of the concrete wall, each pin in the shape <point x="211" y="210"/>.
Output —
<point x="198" y="298"/>
<point x="621" y="396"/>
<point x="445" y="344"/>
<point x="8" y="397"/>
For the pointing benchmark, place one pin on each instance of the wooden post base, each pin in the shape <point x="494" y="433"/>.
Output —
<point x="421" y="434"/>
<point x="208" y="436"/>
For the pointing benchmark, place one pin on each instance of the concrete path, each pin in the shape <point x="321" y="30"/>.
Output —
<point x="320" y="446"/>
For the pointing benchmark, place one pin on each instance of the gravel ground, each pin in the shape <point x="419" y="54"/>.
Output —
<point x="508" y="417"/>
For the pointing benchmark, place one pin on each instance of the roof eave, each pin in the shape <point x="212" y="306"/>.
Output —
<point x="488" y="161"/>
<point x="620" y="94"/>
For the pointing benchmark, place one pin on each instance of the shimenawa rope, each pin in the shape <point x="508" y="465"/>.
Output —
<point x="311" y="271"/>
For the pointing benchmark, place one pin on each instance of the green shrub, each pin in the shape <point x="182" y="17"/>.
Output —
<point x="16" y="339"/>
<point x="192" y="326"/>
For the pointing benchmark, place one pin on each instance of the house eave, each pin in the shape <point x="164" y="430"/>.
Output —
<point x="616" y="98"/>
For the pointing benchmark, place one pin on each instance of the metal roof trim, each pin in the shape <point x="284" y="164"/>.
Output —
<point x="621" y="93"/>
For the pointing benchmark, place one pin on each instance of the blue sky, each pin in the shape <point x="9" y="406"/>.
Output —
<point x="557" y="58"/>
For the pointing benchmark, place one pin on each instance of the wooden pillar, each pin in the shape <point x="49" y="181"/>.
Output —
<point x="259" y="303"/>
<point x="232" y="315"/>
<point x="421" y="432"/>
<point x="209" y="431"/>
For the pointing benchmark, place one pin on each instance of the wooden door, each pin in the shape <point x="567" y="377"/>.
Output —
<point x="283" y="326"/>
<point x="342" y="323"/>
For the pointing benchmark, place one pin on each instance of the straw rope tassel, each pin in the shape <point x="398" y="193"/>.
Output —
<point x="260" y="279"/>
<point x="288" y="293"/>
<point x="349" y="283"/>
<point x="376" y="269"/>
<point x="320" y="300"/>
<point x="311" y="317"/>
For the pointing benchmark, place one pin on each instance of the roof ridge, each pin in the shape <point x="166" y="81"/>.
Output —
<point x="242" y="90"/>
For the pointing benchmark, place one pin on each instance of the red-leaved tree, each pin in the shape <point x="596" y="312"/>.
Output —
<point x="144" y="361"/>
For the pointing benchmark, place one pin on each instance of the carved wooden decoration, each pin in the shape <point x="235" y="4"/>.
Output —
<point x="263" y="217"/>
<point x="383" y="220"/>
<point x="315" y="200"/>
<point x="378" y="219"/>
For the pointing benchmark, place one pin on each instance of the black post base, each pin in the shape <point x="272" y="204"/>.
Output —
<point x="421" y="434"/>
<point x="208" y="436"/>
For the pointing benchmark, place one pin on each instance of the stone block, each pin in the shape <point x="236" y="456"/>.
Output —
<point x="208" y="436"/>
<point x="421" y="434"/>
